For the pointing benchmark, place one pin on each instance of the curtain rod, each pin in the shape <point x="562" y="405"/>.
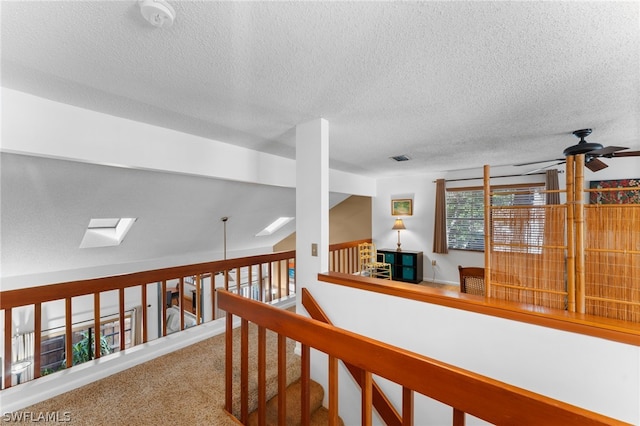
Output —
<point x="494" y="177"/>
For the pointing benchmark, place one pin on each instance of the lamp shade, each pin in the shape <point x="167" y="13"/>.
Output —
<point x="398" y="224"/>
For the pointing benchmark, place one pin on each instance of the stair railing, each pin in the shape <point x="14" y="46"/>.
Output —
<point x="266" y="278"/>
<point x="463" y="390"/>
<point x="275" y="280"/>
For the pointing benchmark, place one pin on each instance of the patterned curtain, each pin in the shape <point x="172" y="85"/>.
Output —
<point x="440" y="223"/>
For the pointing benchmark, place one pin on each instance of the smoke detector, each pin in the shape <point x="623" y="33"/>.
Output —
<point x="159" y="13"/>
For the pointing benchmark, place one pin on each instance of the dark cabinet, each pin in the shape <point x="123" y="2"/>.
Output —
<point x="406" y="265"/>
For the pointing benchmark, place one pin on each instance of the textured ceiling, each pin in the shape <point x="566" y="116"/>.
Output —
<point x="451" y="84"/>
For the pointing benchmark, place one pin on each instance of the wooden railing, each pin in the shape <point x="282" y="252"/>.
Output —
<point x="464" y="391"/>
<point x="265" y="278"/>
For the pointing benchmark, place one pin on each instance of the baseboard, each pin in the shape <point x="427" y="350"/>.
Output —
<point x="29" y="393"/>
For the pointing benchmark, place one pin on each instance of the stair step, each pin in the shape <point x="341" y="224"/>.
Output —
<point x="293" y="406"/>
<point x="320" y="417"/>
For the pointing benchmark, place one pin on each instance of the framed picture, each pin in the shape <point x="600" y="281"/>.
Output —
<point x="402" y="207"/>
<point x="621" y="196"/>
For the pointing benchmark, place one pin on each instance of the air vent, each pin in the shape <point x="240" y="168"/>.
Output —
<point x="401" y="158"/>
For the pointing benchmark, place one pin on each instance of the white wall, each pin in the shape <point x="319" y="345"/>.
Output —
<point x="421" y="188"/>
<point x="593" y="373"/>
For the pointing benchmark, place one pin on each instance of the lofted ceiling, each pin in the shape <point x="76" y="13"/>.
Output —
<point x="452" y="85"/>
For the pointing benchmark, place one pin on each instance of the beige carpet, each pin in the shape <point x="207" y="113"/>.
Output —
<point x="184" y="387"/>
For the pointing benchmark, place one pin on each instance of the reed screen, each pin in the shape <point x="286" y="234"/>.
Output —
<point x="612" y="261"/>
<point x="528" y="252"/>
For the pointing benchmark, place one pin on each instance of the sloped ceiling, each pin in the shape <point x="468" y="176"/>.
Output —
<point x="47" y="204"/>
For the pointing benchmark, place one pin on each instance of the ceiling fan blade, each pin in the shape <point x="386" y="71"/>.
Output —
<point x="530" y="172"/>
<point x="542" y="161"/>
<point x="607" y="150"/>
<point x="626" y="154"/>
<point x="594" y="165"/>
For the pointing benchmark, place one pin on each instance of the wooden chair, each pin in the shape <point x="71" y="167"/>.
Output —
<point x="471" y="280"/>
<point x="370" y="264"/>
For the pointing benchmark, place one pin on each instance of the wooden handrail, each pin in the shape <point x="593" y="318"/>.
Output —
<point x="36" y="296"/>
<point x="380" y="402"/>
<point x="589" y="325"/>
<point x="480" y="396"/>
<point x="40" y="294"/>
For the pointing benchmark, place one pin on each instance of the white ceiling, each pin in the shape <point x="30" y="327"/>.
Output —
<point x="451" y="84"/>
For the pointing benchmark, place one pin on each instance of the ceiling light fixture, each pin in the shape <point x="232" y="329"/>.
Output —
<point x="158" y="13"/>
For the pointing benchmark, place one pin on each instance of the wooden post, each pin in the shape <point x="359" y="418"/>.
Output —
<point x="37" y="340"/>
<point x="120" y="319"/>
<point x="197" y="301"/>
<point x="487" y="231"/>
<point x="68" y="333"/>
<point x="96" y="324"/>
<point x="571" y="243"/>
<point x="8" y="325"/>
<point x="579" y="221"/>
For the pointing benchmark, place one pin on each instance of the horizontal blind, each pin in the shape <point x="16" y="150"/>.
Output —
<point x="465" y="213"/>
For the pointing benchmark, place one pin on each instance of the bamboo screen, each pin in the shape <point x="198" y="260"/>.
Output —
<point x="612" y="261"/>
<point x="528" y="253"/>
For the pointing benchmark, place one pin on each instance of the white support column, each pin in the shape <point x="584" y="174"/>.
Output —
<point x="312" y="201"/>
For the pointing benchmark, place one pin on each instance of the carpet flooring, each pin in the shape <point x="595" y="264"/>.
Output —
<point x="183" y="387"/>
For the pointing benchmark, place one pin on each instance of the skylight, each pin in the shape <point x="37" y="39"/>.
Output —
<point x="105" y="232"/>
<point x="277" y="224"/>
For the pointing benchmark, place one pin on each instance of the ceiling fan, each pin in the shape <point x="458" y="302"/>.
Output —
<point x="591" y="150"/>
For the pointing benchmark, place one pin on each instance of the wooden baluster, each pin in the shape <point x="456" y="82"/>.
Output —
<point x="333" y="391"/>
<point x="262" y="376"/>
<point x="68" y="343"/>
<point x="228" y="359"/>
<point x="198" y="313"/>
<point x="305" y="382"/>
<point x="8" y="324"/>
<point x="366" y="398"/>
<point x="295" y="277"/>
<point x="96" y="325"/>
<point x="261" y="282"/>
<point x="282" y="379"/>
<point x="407" y="407"/>
<point x="121" y="319"/>
<point x="250" y="278"/>
<point x="458" y="417"/>
<point x="280" y="280"/>
<point x="37" y="340"/>
<point x="267" y="295"/>
<point x="238" y="282"/>
<point x="164" y="308"/>
<point x="214" y="313"/>
<point x="143" y="294"/>
<point x="181" y="301"/>
<point x="244" y="371"/>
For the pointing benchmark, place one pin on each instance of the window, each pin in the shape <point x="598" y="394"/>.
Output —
<point x="53" y="341"/>
<point x="465" y="216"/>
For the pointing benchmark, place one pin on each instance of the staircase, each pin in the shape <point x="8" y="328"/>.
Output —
<point x="319" y="414"/>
